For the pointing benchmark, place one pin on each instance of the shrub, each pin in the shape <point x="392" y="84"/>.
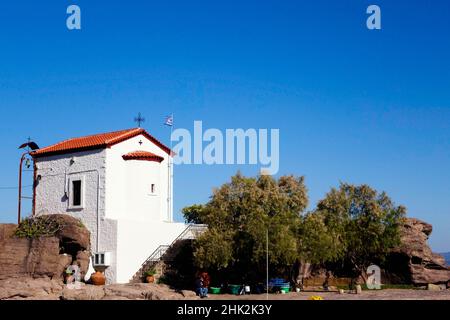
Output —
<point x="35" y="227"/>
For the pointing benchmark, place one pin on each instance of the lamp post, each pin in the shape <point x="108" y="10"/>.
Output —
<point x="267" y="263"/>
<point x="30" y="145"/>
<point x="19" y="208"/>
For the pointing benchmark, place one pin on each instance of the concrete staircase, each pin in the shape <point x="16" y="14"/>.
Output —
<point x="166" y="253"/>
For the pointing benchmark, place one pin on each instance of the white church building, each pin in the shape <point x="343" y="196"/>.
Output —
<point x="119" y="184"/>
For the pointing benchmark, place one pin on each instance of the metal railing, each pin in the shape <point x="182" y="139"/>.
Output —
<point x="191" y="232"/>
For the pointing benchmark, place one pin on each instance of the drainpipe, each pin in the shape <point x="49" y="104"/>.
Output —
<point x="98" y="212"/>
<point x="34" y="187"/>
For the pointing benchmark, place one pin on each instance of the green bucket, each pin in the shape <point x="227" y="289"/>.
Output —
<point x="215" y="290"/>
<point x="285" y="289"/>
<point x="234" y="289"/>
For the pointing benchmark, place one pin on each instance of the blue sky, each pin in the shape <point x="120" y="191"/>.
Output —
<point x="351" y="104"/>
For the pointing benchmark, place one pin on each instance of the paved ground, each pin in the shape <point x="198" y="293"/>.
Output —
<point x="387" y="294"/>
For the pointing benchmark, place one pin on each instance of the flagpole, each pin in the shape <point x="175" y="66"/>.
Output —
<point x="170" y="177"/>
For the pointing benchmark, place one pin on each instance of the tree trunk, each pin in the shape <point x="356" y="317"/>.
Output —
<point x="363" y="274"/>
<point x="303" y="271"/>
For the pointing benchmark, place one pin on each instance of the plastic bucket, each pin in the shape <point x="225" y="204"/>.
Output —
<point x="215" y="290"/>
<point x="285" y="289"/>
<point x="234" y="289"/>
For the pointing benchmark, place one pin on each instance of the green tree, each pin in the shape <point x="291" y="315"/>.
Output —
<point x="213" y="250"/>
<point x="352" y="226"/>
<point x="238" y="216"/>
<point x="319" y="243"/>
<point x="193" y="213"/>
<point x="365" y="221"/>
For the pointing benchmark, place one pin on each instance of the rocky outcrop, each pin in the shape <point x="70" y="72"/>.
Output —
<point x="413" y="261"/>
<point x="44" y="256"/>
<point x="144" y="291"/>
<point x="47" y="289"/>
<point x="30" y="289"/>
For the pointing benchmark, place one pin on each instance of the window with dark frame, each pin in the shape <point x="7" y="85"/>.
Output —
<point x="76" y="193"/>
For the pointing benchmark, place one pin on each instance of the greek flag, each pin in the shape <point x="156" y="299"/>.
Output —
<point x="169" y="121"/>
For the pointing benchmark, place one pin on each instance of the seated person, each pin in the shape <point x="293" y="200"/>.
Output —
<point x="200" y="288"/>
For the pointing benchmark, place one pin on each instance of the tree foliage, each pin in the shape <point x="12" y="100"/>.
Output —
<point x="192" y="214"/>
<point x="353" y="225"/>
<point x="239" y="215"/>
<point x="366" y="222"/>
<point x="319" y="243"/>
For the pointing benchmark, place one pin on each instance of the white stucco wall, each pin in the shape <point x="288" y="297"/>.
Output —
<point x="138" y="240"/>
<point x="129" y="182"/>
<point x="52" y="195"/>
<point x="143" y="218"/>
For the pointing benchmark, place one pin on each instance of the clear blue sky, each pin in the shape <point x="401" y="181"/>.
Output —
<point x="351" y="104"/>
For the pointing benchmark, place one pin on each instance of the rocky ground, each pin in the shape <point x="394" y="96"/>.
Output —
<point x="387" y="294"/>
<point x="46" y="289"/>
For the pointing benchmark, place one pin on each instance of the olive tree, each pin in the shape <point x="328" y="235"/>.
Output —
<point x="365" y="222"/>
<point x="240" y="214"/>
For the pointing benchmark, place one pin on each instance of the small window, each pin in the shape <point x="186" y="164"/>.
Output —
<point x="76" y="193"/>
<point x="153" y="188"/>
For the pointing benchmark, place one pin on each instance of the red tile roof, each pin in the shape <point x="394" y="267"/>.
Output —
<point x="98" y="141"/>
<point x="142" y="155"/>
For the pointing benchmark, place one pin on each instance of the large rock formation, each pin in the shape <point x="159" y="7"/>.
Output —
<point x="413" y="261"/>
<point x="46" y="255"/>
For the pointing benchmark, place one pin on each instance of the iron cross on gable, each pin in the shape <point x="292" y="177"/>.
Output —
<point x="139" y="120"/>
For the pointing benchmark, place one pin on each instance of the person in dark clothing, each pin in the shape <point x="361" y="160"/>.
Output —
<point x="200" y="288"/>
<point x="206" y="279"/>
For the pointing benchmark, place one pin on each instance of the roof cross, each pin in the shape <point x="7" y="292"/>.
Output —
<point x="139" y="120"/>
<point x="28" y="143"/>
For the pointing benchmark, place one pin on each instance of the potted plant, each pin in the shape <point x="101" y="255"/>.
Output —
<point x="68" y="276"/>
<point x="149" y="275"/>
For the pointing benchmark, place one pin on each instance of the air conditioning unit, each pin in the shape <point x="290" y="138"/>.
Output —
<point x="101" y="259"/>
